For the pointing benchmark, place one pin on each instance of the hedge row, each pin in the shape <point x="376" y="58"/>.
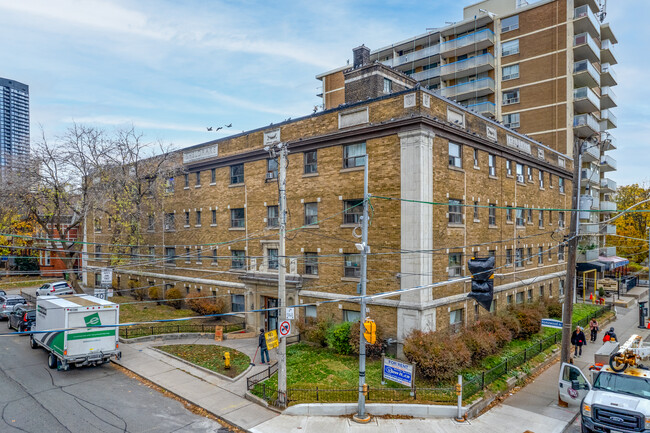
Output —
<point x="439" y="356"/>
<point x="341" y="337"/>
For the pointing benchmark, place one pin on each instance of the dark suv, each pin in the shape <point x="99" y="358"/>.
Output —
<point x="22" y="319"/>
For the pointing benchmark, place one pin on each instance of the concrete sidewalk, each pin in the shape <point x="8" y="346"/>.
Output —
<point x="221" y="397"/>
<point x="532" y="408"/>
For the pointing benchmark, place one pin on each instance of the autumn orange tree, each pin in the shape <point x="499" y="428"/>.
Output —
<point x="632" y="224"/>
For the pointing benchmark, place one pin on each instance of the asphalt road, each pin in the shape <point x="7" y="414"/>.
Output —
<point x="34" y="398"/>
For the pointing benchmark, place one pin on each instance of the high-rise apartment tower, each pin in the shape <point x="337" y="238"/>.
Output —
<point x="14" y="124"/>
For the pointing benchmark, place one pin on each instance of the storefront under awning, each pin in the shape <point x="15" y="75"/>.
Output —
<point x="614" y="261"/>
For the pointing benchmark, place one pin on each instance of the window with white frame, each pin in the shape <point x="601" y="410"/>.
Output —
<point x="213" y="175"/>
<point x="508" y="257"/>
<point x="188" y="255"/>
<point x="476" y="213"/>
<point x="187" y="218"/>
<point x="529" y="256"/>
<point x="311" y="263"/>
<point x="509" y="214"/>
<point x="170" y="222"/>
<point x="541" y="179"/>
<point x="198" y="179"/>
<point x="510" y="23"/>
<point x="519" y="298"/>
<point x="237" y="303"/>
<point x="198" y="217"/>
<point x="186" y="178"/>
<point x="354" y="155"/>
<point x="455" y="157"/>
<point x="519" y="257"/>
<point x="352" y="211"/>
<point x="272" y="258"/>
<point x="214" y="216"/>
<point x="560" y="219"/>
<point x="455" y="211"/>
<point x="476" y="158"/>
<point x="169" y="186"/>
<point x="310" y="311"/>
<point x="238" y="259"/>
<point x="455" y="265"/>
<point x="271" y="168"/>
<point x="510" y="72"/>
<point x="388" y="85"/>
<point x="272" y="216"/>
<point x="560" y="184"/>
<point x="311" y="162"/>
<point x="540" y="255"/>
<point x="237" y="174"/>
<point x="170" y="256"/>
<point x="529" y="173"/>
<point x="520" y="172"/>
<point x="510" y="97"/>
<point x="311" y="213"/>
<point x="510" y="47"/>
<point x="560" y="253"/>
<point x="519" y="220"/>
<point x="530" y="216"/>
<point x="456" y="318"/>
<point x="492" y="164"/>
<point x="351" y="265"/>
<point x="215" y="256"/>
<point x="199" y="256"/>
<point x="509" y="167"/>
<point x="541" y="219"/>
<point x="151" y="226"/>
<point x="511" y="120"/>
<point x="237" y="218"/>
<point x="351" y="316"/>
<point x="492" y="214"/>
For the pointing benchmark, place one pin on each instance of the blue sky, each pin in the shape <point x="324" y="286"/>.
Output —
<point x="171" y="68"/>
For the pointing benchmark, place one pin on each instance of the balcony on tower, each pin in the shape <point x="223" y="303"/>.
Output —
<point x="585" y="125"/>
<point x="608" y="251"/>
<point x="585" y="48"/>
<point x="607" y="120"/>
<point x="470" y="66"/>
<point x="607" y="75"/>
<point x="470" y="89"/>
<point x="585" y="100"/>
<point x="486" y="108"/>
<point x="608" y="206"/>
<point x="585" y="21"/>
<point x="585" y="75"/>
<point x="427" y="74"/>
<point x="607" y="185"/>
<point x="469" y="43"/>
<point x="590" y="153"/>
<point x="607" y="52"/>
<point x="608" y="229"/>
<point x="607" y="97"/>
<point x="589" y="177"/>
<point x="607" y="163"/>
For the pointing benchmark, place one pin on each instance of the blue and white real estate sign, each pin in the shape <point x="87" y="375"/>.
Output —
<point x="399" y="372"/>
<point x="552" y="323"/>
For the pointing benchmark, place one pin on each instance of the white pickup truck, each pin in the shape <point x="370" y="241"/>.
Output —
<point x="76" y="330"/>
<point x="618" y="401"/>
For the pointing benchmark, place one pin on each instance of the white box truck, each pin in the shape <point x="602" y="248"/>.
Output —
<point x="90" y="340"/>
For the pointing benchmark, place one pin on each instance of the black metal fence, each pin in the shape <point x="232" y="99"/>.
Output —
<point x="442" y="395"/>
<point x="142" y="331"/>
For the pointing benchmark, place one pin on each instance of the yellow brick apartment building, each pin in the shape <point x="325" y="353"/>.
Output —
<point x="445" y="182"/>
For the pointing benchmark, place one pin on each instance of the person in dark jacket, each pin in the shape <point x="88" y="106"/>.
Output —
<point x="263" y="348"/>
<point x="578" y="340"/>
<point x="611" y="334"/>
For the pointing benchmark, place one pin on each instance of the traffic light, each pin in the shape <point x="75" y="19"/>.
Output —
<point x="482" y="271"/>
<point x="370" y="331"/>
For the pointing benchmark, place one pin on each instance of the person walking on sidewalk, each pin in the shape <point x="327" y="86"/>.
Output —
<point x="610" y="335"/>
<point x="593" y="326"/>
<point x="578" y="340"/>
<point x="263" y="349"/>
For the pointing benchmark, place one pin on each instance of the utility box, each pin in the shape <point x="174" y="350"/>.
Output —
<point x="605" y="352"/>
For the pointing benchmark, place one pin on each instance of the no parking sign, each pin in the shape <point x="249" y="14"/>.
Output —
<point x="285" y="328"/>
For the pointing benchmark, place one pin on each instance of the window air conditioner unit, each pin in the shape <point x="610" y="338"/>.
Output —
<point x="270" y="175"/>
<point x="520" y="178"/>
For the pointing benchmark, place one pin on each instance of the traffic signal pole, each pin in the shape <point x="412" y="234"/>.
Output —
<point x="361" y="416"/>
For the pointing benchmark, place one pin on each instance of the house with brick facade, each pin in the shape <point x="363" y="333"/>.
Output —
<point x="447" y="183"/>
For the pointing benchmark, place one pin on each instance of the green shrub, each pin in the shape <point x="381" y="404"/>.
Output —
<point x="204" y="305"/>
<point x="338" y="338"/>
<point x="174" y="298"/>
<point x="554" y="309"/>
<point x="497" y="331"/>
<point x="530" y="321"/>
<point x="601" y="292"/>
<point x="314" y="331"/>
<point x="154" y="293"/>
<point x="372" y="350"/>
<point x="438" y="356"/>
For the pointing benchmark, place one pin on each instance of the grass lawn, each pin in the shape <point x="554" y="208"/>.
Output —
<point x="210" y="356"/>
<point x="133" y="311"/>
<point x="14" y="282"/>
<point x="309" y="367"/>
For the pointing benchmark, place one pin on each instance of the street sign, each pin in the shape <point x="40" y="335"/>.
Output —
<point x="107" y="277"/>
<point x="285" y="328"/>
<point x="290" y="313"/>
<point x="398" y="372"/>
<point x="271" y="339"/>
<point x="100" y="293"/>
<point x="552" y="323"/>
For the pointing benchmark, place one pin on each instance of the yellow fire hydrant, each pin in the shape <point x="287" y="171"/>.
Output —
<point x="226" y="358"/>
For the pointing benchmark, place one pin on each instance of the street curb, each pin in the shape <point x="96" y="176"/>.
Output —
<point x="164" y="337"/>
<point x="180" y="397"/>
<point x="255" y="399"/>
<point x="203" y="369"/>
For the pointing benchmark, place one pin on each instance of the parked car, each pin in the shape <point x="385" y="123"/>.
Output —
<point x="8" y="303"/>
<point x="2" y="293"/>
<point x="22" y="318"/>
<point x="56" y="288"/>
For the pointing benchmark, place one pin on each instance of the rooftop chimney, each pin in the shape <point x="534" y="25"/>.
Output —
<point x="361" y="56"/>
